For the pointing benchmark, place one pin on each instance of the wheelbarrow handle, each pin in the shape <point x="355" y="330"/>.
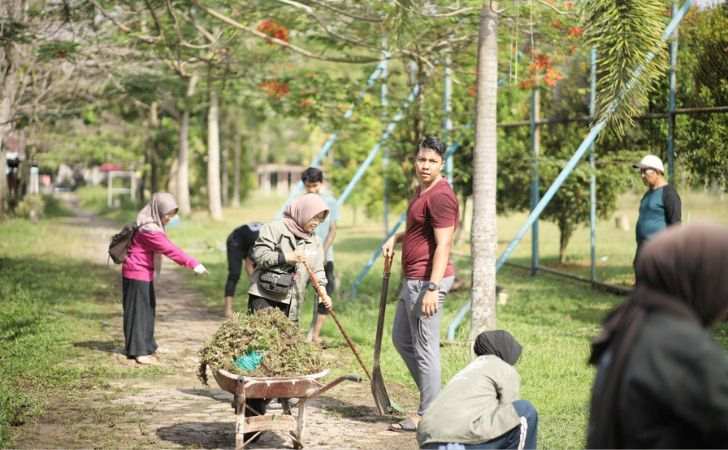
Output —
<point x="322" y="389"/>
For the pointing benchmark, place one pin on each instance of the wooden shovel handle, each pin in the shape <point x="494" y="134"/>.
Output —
<point x="388" y="258"/>
<point x="321" y="293"/>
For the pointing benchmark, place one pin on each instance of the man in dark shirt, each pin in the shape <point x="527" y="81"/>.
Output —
<point x="238" y="244"/>
<point x="432" y="216"/>
<point x="660" y="207"/>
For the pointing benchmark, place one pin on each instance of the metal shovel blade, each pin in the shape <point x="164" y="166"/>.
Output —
<point x="379" y="392"/>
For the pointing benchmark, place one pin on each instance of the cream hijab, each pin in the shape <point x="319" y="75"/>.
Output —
<point x="301" y="211"/>
<point x="150" y="217"/>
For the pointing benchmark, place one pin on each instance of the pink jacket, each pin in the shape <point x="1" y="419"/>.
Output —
<point x="139" y="263"/>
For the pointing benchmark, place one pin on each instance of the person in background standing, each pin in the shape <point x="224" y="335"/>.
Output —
<point x="660" y="207"/>
<point x="313" y="183"/>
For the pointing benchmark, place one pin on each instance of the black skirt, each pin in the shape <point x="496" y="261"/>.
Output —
<point x="139" y="312"/>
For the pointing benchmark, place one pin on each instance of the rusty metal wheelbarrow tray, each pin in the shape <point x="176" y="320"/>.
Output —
<point x="303" y="387"/>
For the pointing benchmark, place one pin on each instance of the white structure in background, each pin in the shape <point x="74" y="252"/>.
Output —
<point x="64" y="177"/>
<point x="93" y="176"/>
<point x="34" y="187"/>
<point x="111" y="190"/>
<point x="280" y="178"/>
<point x="709" y="3"/>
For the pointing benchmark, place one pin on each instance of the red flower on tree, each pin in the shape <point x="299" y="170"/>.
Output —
<point x="541" y="62"/>
<point x="576" y="32"/>
<point x="273" y="29"/>
<point x="552" y="76"/>
<point x="541" y="70"/>
<point x="274" y="88"/>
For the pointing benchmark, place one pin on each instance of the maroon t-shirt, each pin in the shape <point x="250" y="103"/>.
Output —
<point x="436" y="208"/>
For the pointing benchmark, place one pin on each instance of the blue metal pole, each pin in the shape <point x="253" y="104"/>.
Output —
<point x="593" y="168"/>
<point x="671" y="105"/>
<point x="385" y="154"/>
<point x="375" y="150"/>
<point x="535" y="185"/>
<point x="533" y="216"/>
<point x="571" y="164"/>
<point x="447" y="123"/>
<point x="378" y="252"/>
<point x="379" y="71"/>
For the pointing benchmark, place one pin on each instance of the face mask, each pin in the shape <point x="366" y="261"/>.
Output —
<point x="174" y="222"/>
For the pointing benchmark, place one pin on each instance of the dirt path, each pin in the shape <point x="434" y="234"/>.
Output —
<point x="169" y="408"/>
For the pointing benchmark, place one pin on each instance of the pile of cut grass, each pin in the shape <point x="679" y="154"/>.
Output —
<point x="284" y="349"/>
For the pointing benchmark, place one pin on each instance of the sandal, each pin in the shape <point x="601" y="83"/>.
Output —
<point x="149" y="360"/>
<point x="406" y="425"/>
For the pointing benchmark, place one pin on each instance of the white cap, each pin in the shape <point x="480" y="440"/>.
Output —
<point x="650" y="162"/>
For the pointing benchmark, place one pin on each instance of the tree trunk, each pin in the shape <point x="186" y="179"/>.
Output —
<point x="183" y="174"/>
<point x="152" y="148"/>
<point x="224" y="172"/>
<point x="213" y="157"/>
<point x="237" y="148"/>
<point x="416" y="77"/>
<point x="8" y="91"/>
<point x="172" y="180"/>
<point x="463" y="211"/>
<point x="565" y="233"/>
<point x="484" y="236"/>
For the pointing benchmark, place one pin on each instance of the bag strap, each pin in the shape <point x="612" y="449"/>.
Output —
<point x="278" y="247"/>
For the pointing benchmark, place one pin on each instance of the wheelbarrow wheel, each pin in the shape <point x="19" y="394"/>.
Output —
<point x="255" y="407"/>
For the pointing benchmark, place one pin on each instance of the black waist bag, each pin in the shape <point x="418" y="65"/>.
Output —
<point x="277" y="280"/>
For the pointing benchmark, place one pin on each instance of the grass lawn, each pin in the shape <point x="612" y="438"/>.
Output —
<point x="552" y="317"/>
<point x="50" y="299"/>
<point x="53" y="305"/>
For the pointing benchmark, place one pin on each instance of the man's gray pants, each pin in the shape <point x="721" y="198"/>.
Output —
<point x="417" y="338"/>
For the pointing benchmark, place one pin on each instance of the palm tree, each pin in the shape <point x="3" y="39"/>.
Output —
<point x="484" y="234"/>
<point x="213" y="156"/>
<point x="625" y="33"/>
<point x="183" y="156"/>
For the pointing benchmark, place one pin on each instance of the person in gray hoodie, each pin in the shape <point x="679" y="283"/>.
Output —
<point x="480" y="406"/>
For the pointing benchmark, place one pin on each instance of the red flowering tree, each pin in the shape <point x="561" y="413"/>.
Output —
<point x="273" y="29"/>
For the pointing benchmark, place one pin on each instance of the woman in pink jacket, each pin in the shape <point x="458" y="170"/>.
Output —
<point x="143" y="261"/>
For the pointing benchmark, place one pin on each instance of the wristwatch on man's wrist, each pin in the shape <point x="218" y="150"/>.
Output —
<point x="431" y="286"/>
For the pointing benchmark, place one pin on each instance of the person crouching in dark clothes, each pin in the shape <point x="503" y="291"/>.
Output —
<point x="479" y="408"/>
<point x="662" y="381"/>
<point x="238" y="246"/>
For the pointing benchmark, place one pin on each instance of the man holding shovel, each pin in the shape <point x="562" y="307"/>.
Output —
<point x="432" y="216"/>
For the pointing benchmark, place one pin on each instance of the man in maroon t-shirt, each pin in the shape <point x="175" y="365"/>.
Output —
<point x="432" y="216"/>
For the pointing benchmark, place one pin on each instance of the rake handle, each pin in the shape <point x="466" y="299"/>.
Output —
<point x="321" y="293"/>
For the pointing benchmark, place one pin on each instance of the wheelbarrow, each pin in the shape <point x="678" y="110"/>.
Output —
<point x="303" y="388"/>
